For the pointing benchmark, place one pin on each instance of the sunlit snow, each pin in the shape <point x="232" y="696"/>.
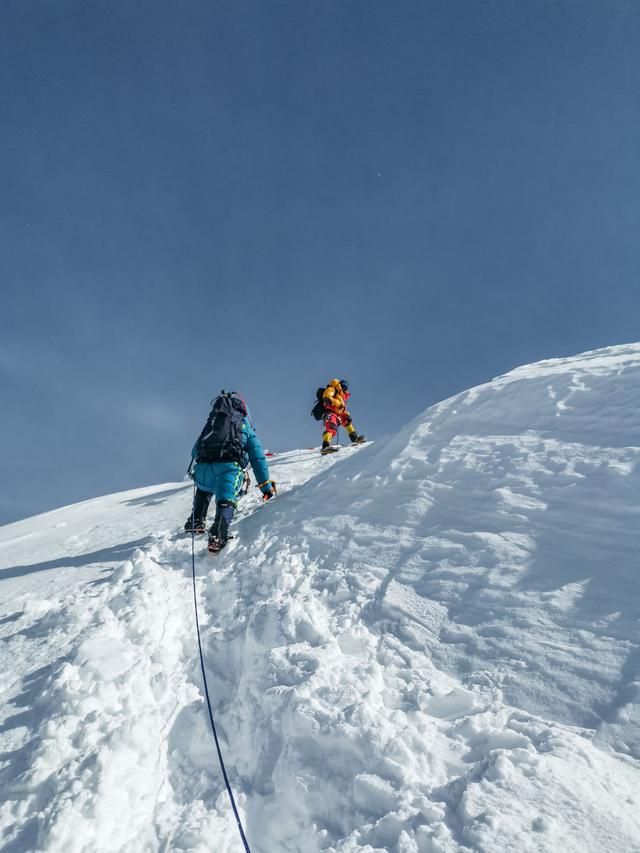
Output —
<point x="429" y="643"/>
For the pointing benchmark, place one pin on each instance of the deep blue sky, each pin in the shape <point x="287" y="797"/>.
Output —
<point x="415" y="195"/>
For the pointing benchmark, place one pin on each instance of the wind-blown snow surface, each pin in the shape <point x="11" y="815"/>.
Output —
<point x="427" y="644"/>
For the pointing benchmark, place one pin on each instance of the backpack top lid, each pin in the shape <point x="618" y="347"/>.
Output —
<point x="222" y="438"/>
<point x="236" y="399"/>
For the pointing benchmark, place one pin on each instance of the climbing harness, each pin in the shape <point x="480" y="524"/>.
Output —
<point x="246" y="482"/>
<point x="206" y="686"/>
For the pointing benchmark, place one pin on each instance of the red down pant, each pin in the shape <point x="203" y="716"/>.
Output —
<point x="332" y="420"/>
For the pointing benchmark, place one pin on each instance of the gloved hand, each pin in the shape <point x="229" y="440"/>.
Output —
<point x="268" y="490"/>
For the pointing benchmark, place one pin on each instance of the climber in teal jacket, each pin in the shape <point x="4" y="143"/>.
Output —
<point x="229" y="437"/>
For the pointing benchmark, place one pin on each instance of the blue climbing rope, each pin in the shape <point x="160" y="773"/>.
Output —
<point x="204" y="679"/>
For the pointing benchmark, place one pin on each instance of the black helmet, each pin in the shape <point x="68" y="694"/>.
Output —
<point x="344" y="384"/>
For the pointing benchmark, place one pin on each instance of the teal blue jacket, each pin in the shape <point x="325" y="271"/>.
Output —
<point x="223" y="479"/>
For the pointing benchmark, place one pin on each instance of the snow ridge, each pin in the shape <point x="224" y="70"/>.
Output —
<point x="426" y="644"/>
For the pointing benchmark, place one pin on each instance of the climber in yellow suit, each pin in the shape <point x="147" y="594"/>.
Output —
<point x="334" y="401"/>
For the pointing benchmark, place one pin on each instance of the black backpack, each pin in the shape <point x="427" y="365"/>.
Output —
<point x="318" y="409"/>
<point x="221" y="439"/>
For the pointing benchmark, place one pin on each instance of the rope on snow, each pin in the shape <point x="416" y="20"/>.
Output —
<point x="204" y="679"/>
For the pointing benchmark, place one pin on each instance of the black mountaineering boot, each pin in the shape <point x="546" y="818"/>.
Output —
<point x="200" y="506"/>
<point x="198" y="527"/>
<point x="217" y="538"/>
<point x="215" y="545"/>
<point x="219" y="533"/>
<point x="327" y="448"/>
<point x="356" y="439"/>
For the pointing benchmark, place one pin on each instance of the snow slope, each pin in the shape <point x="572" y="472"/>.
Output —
<point x="430" y="643"/>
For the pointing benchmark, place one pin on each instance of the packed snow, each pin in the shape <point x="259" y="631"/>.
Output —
<point x="424" y="645"/>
